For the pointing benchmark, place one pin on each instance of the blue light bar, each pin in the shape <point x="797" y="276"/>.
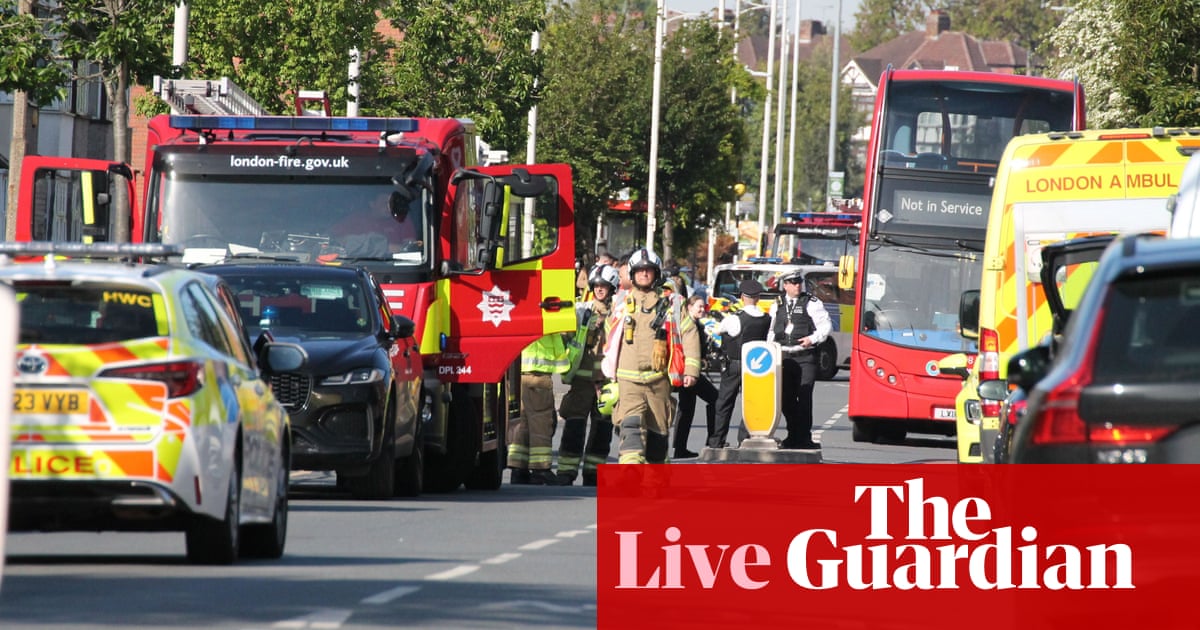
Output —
<point x="820" y="216"/>
<point x="89" y="250"/>
<point x="292" y="123"/>
<point x="764" y="259"/>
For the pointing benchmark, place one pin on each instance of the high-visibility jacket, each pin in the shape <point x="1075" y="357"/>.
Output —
<point x="547" y="355"/>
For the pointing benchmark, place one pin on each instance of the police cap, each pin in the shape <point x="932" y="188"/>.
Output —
<point x="750" y="287"/>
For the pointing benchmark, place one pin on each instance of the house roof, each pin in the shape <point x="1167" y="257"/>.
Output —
<point x="937" y="47"/>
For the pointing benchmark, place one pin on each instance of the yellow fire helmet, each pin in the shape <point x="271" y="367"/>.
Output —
<point x="607" y="399"/>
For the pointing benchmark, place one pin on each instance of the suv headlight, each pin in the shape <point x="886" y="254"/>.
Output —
<point x="360" y="376"/>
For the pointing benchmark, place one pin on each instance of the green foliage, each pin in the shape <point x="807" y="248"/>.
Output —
<point x="273" y="48"/>
<point x="596" y="107"/>
<point x="470" y="58"/>
<point x="123" y="36"/>
<point x="1026" y="22"/>
<point x="28" y="63"/>
<point x="1158" y="72"/>
<point x="878" y="21"/>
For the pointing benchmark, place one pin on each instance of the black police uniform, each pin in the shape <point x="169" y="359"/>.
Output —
<point x="799" y="369"/>
<point x="753" y="329"/>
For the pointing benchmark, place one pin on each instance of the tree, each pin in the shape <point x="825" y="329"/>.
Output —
<point x="812" y="132"/>
<point x="28" y="69"/>
<point x="1086" y="42"/>
<point x="29" y="63"/>
<point x="594" y="111"/>
<point x="1026" y="22"/>
<point x="1158" y="72"/>
<point x="470" y="58"/>
<point x="878" y="21"/>
<point x="123" y="41"/>
<point x="274" y="48"/>
<point x="701" y="134"/>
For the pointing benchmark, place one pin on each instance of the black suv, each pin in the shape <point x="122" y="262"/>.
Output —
<point x="356" y="409"/>
<point x="1124" y="385"/>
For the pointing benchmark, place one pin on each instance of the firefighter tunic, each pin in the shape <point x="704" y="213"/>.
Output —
<point x="644" y="407"/>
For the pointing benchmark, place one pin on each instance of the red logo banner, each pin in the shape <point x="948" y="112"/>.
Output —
<point x="898" y="546"/>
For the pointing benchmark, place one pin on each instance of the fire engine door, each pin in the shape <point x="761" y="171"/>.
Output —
<point x="510" y="268"/>
<point x="69" y="199"/>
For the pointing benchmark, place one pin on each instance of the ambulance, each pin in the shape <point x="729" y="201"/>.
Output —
<point x="1049" y="188"/>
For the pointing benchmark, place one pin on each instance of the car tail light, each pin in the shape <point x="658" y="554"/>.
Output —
<point x="182" y="378"/>
<point x="1016" y="409"/>
<point x="989" y="368"/>
<point x="1059" y="421"/>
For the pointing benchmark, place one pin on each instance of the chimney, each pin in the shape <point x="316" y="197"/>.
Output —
<point x="936" y="23"/>
<point x="810" y="29"/>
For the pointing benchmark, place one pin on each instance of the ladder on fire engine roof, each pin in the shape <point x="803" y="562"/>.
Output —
<point x="200" y="96"/>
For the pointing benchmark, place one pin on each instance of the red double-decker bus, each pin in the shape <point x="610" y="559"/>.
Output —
<point x="936" y="139"/>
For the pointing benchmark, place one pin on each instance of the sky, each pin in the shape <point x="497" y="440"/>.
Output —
<point x="822" y="10"/>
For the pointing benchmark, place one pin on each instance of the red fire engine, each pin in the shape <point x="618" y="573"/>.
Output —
<point x="480" y="257"/>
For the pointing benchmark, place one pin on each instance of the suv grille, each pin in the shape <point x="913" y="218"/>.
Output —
<point x="291" y="389"/>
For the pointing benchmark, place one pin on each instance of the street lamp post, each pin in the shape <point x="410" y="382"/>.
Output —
<point x="660" y="27"/>
<point x="766" y="135"/>
<point x="833" y="99"/>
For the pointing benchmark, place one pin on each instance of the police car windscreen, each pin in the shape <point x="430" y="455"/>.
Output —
<point x="61" y="314"/>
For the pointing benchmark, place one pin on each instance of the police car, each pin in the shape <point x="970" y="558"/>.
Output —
<point x="819" y="280"/>
<point x="139" y="405"/>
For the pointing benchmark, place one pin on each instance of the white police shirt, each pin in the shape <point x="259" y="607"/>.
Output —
<point x="820" y="317"/>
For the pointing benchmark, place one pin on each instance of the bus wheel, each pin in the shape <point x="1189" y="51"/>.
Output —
<point x="862" y="431"/>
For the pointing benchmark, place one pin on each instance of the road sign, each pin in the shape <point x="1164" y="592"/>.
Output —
<point x="9" y="326"/>
<point x="760" y="387"/>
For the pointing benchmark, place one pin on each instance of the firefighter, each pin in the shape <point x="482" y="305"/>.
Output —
<point x="586" y="380"/>
<point x="748" y="323"/>
<point x="638" y="354"/>
<point x="530" y="445"/>
<point x="799" y="323"/>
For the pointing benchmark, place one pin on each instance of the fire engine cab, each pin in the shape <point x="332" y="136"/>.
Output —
<point x="480" y="257"/>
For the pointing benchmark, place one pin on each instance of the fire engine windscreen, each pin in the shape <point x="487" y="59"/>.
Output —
<point x="346" y="219"/>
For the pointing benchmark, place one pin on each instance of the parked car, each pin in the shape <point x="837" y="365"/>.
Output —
<point x="1075" y="259"/>
<point x="139" y="405"/>
<point x="357" y="408"/>
<point x="1122" y="386"/>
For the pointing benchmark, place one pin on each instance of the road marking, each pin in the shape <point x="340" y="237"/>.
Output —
<point x="538" y="544"/>
<point x="502" y="558"/>
<point x="572" y="533"/>
<point x="390" y="595"/>
<point x="450" y="574"/>
<point x="325" y="619"/>
<point x="831" y="421"/>
<point x="546" y="606"/>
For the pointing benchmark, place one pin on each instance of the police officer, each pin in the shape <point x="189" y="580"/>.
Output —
<point x="637" y="354"/>
<point x="746" y="324"/>
<point x="531" y="446"/>
<point x="586" y="380"/>
<point x="799" y="323"/>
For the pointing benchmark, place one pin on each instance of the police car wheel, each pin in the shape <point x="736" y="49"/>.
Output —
<point x="268" y="541"/>
<point x="212" y="541"/>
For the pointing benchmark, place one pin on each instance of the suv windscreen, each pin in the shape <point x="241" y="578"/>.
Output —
<point x="64" y="314"/>
<point x="1150" y="331"/>
<point x="303" y="308"/>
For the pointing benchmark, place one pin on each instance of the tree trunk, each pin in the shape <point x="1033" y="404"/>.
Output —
<point x="24" y="140"/>
<point x="121" y="203"/>
<point x="19" y="145"/>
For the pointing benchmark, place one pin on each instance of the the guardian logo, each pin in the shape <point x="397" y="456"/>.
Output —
<point x="974" y="554"/>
